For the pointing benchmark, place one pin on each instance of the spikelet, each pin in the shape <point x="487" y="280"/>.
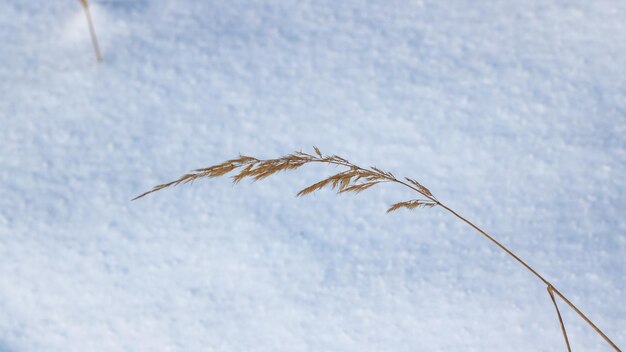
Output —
<point x="419" y="186"/>
<point x="411" y="204"/>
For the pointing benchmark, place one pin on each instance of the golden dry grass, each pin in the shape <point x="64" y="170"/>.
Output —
<point x="356" y="179"/>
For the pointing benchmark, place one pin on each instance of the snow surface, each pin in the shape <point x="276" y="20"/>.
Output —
<point x="511" y="112"/>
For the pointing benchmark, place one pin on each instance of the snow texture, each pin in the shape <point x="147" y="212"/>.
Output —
<point x="512" y="112"/>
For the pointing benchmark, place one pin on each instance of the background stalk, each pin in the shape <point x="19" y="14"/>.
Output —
<point x="92" y="31"/>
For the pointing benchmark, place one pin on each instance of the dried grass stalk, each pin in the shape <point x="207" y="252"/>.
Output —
<point x="356" y="179"/>
<point x="92" y="31"/>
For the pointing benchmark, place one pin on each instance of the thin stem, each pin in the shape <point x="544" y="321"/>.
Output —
<point x="606" y="338"/>
<point x="546" y="282"/>
<point x="504" y="248"/>
<point x="92" y="31"/>
<point x="558" y="313"/>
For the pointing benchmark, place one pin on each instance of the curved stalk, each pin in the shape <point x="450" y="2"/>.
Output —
<point x="551" y="289"/>
<point x="357" y="179"/>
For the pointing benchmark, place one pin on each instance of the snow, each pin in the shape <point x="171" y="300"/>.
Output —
<point x="512" y="112"/>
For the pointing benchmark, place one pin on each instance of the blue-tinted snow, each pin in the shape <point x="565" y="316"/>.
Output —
<point x="511" y="112"/>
